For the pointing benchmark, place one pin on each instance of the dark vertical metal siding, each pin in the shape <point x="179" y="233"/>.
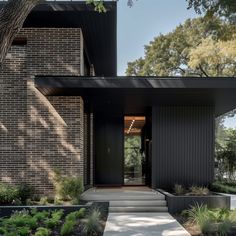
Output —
<point x="182" y="145"/>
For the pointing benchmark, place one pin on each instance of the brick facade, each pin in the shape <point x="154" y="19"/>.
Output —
<point x="38" y="133"/>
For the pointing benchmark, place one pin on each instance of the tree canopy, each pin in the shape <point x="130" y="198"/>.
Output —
<point x="222" y="8"/>
<point x="199" y="47"/>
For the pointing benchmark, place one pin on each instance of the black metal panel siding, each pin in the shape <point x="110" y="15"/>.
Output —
<point x="183" y="145"/>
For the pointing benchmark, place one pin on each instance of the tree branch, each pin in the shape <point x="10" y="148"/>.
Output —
<point x="203" y="71"/>
<point x="12" y="17"/>
<point x="181" y="69"/>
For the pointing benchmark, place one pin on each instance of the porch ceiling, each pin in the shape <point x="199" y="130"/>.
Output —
<point x="135" y="94"/>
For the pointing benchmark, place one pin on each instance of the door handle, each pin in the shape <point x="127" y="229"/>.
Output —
<point x="108" y="150"/>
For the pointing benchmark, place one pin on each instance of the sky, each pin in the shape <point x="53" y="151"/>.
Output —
<point x="146" y="19"/>
<point x="138" y="25"/>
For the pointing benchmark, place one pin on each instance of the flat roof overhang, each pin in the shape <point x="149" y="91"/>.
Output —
<point x="137" y="93"/>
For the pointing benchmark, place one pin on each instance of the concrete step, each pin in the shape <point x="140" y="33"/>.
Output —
<point x="150" y="203"/>
<point x="117" y="197"/>
<point x="138" y="209"/>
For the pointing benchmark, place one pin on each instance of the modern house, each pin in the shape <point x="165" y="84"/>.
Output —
<point x="63" y="106"/>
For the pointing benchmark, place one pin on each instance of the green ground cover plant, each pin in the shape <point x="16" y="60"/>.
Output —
<point x="46" y="223"/>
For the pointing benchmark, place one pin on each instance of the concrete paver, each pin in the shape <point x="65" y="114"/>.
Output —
<point x="143" y="224"/>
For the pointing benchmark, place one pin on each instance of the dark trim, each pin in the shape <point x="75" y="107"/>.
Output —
<point x="135" y="94"/>
<point x="135" y="82"/>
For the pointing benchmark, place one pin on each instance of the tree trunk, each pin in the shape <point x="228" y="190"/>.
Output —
<point x="12" y="17"/>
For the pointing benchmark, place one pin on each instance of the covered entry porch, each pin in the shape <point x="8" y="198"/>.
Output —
<point x="181" y="112"/>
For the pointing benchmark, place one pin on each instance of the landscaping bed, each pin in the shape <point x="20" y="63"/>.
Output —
<point x="201" y="220"/>
<point x="25" y="213"/>
<point x="182" y="200"/>
<point x="50" y="221"/>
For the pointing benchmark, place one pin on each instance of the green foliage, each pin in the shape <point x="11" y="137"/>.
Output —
<point x="232" y="216"/>
<point x="8" y="194"/>
<point x="92" y="223"/>
<point x="14" y="194"/>
<point x="41" y="231"/>
<point x="224" y="187"/>
<point x="39" y="216"/>
<point x="72" y="188"/>
<point x="43" y="201"/>
<point x="226" y="156"/>
<point x="211" y="220"/>
<point x="68" y="227"/>
<point x="216" y="58"/>
<point x="98" y="5"/>
<point x="223" y="8"/>
<point x="68" y="187"/>
<point x="193" y="190"/>
<point x="179" y="189"/>
<point x="132" y="151"/>
<point x="55" y="219"/>
<point x="57" y="214"/>
<point x="76" y="215"/>
<point x="51" y="223"/>
<point x="25" y="223"/>
<point x="23" y="231"/>
<point x="199" y="191"/>
<point x="25" y="192"/>
<point x="177" y="53"/>
<point x="224" y="227"/>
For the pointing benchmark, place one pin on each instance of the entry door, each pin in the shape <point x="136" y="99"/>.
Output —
<point x="108" y="150"/>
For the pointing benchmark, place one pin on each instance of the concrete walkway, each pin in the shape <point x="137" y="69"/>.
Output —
<point x="143" y="224"/>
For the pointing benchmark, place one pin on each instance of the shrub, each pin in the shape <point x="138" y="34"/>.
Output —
<point x="72" y="188"/>
<point x="68" y="188"/>
<point x="43" y="201"/>
<point x="25" y="192"/>
<point x="8" y="193"/>
<point x="92" y="223"/>
<point x="179" y="189"/>
<point x="67" y="228"/>
<point x="41" y="231"/>
<point x="210" y="221"/>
